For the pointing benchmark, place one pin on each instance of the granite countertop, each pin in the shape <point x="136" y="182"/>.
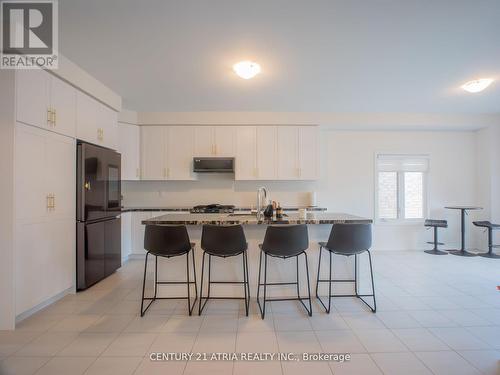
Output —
<point x="225" y="219"/>
<point x="186" y="209"/>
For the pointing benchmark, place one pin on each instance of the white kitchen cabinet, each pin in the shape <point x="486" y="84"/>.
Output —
<point x="63" y="105"/>
<point x="129" y="148"/>
<point x="297" y="153"/>
<point x="224" y="141"/>
<point x="266" y="141"/>
<point x="215" y="141"/>
<point x="138" y="231"/>
<point x="288" y="152"/>
<point x="44" y="199"/>
<point x="45" y="101"/>
<point x="95" y="122"/>
<point x="33" y="97"/>
<point x="126" y="224"/>
<point x="86" y="118"/>
<point x="179" y="152"/>
<point x="308" y="153"/>
<point x="246" y="153"/>
<point x="153" y="153"/>
<point x="167" y="152"/>
<point x="203" y="141"/>
<point x="108" y="124"/>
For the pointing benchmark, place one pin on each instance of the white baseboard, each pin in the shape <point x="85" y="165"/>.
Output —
<point x="44" y="304"/>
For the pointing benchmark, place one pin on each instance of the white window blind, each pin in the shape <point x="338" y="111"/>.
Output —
<point x="402" y="163"/>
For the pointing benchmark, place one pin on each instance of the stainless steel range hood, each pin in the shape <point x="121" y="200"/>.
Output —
<point x="213" y="165"/>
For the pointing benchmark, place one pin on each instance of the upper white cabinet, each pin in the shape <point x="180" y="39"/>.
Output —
<point x="153" y="153"/>
<point x="261" y="152"/>
<point x="179" y="152"/>
<point x="308" y="153"/>
<point x="246" y="153"/>
<point x="214" y="141"/>
<point x="297" y="153"/>
<point x="266" y="152"/>
<point x="45" y="101"/>
<point x="288" y="152"/>
<point x="167" y="152"/>
<point x="128" y="146"/>
<point x="95" y="122"/>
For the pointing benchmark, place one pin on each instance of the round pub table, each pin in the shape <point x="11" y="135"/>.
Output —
<point x="462" y="252"/>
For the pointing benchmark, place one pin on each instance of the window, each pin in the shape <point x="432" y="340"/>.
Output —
<point x="401" y="187"/>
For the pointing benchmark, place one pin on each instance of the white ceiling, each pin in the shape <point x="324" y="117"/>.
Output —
<point x="316" y="56"/>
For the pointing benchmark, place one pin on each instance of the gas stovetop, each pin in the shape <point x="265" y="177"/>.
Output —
<point x="212" y="209"/>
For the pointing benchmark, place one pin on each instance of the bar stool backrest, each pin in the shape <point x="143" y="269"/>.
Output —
<point x="223" y="240"/>
<point x="166" y="240"/>
<point x="286" y="240"/>
<point x="350" y="238"/>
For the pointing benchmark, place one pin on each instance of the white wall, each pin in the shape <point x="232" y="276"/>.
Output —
<point x="488" y="177"/>
<point x="7" y="84"/>
<point x="347" y="182"/>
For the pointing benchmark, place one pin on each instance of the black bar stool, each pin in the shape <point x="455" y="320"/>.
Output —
<point x="347" y="240"/>
<point x="168" y="241"/>
<point x="490" y="227"/>
<point x="224" y="241"/>
<point x="429" y="223"/>
<point x="284" y="242"/>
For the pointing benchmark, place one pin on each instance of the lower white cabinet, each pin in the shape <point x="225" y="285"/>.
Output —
<point x="138" y="231"/>
<point x="126" y="222"/>
<point x="44" y="199"/>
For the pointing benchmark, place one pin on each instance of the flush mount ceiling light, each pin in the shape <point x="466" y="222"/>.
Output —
<point x="246" y="69"/>
<point x="477" y="85"/>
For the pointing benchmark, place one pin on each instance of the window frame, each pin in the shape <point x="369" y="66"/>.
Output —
<point x="401" y="220"/>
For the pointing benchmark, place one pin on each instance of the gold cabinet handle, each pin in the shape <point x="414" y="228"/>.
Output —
<point x="54" y="119"/>
<point x="53" y="201"/>
<point x="48" y="202"/>
<point x="49" y="116"/>
<point x="86" y="185"/>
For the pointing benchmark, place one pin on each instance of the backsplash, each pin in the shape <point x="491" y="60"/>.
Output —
<point x="214" y="188"/>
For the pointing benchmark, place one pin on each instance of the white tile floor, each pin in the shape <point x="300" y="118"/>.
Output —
<point x="436" y="315"/>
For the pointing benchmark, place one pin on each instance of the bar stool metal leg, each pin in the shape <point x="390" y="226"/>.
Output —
<point x="355" y="281"/>
<point x="327" y="309"/>
<point x="262" y="307"/>
<point x="189" y="282"/>
<point x="245" y="283"/>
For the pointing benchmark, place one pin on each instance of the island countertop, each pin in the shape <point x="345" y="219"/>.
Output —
<point x="247" y="219"/>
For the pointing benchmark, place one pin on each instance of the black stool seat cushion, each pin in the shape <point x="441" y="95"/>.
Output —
<point x="167" y="240"/>
<point x="486" y="224"/>
<point x="349" y="239"/>
<point x="223" y="240"/>
<point x="285" y="240"/>
<point x="436" y="223"/>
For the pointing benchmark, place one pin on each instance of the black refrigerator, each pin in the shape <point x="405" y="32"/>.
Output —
<point x="98" y="207"/>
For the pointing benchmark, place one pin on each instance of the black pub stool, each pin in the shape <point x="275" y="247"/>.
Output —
<point x="168" y="241"/>
<point x="435" y="224"/>
<point x="490" y="227"/>
<point x="284" y="241"/>
<point x="224" y="241"/>
<point x="347" y="240"/>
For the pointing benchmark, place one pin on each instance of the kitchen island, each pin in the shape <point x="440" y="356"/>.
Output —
<point x="317" y="218"/>
<point x="319" y="226"/>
